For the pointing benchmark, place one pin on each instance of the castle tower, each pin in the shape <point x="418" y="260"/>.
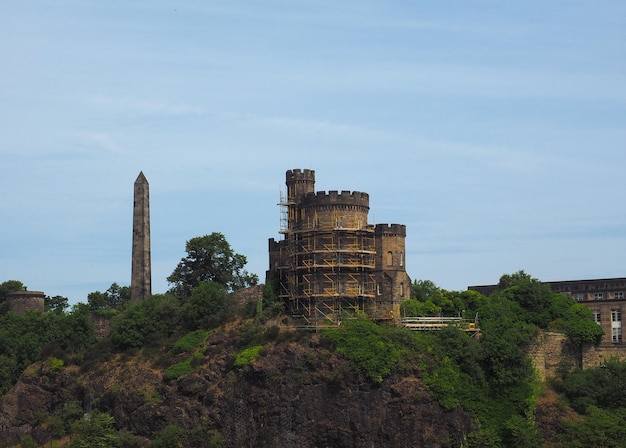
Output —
<point x="22" y="301"/>
<point x="141" y="275"/>
<point x="393" y="285"/>
<point x="331" y="263"/>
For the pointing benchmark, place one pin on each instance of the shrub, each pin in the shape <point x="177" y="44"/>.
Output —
<point x="178" y="370"/>
<point x="169" y="437"/>
<point x="367" y="346"/>
<point x="247" y="356"/>
<point x="191" y="340"/>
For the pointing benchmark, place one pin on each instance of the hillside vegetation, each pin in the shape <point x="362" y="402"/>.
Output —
<point x="209" y="366"/>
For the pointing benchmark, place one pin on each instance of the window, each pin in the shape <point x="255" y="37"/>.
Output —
<point x="401" y="259"/>
<point x="616" y="334"/>
<point x="596" y="316"/>
<point x="389" y="258"/>
<point x="598" y="296"/>
<point x="402" y="289"/>
<point x="378" y="288"/>
<point x="619" y="295"/>
<point x="579" y="296"/>
<point x="616" y="315"/>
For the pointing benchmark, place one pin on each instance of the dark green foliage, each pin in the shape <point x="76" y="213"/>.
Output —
<point x="427" y="299"/>
<point x="173" y="436"/>
<point x="579" y="326"/>
<point x="206" y="307"/>
<point x="10" y="286"/>
<point x="169" y="437"/>
<point x="534" y="297"/>
<point x="191" y="341"/>
<point x="368" y="347"/>
<point x="6" y="288"/>
<point x="147" y="322"/>
<point x="603" y="387"/>
<point x="504" y="336"/>
<point x="56" y="304"/>
<point x="28" y="442"/>
<point x="602" y="428"/>
<point x="270" y="305"/>
<point x="116" y="297"/>
<point x="178" y="370"/>
<point x="95" y="430"/>
<point x="415" y="307"/>
<point x="464" y="350"/>
<point x="520" y="432"/>
<point x="24" y="337"/>
<point x="210" y="259"/>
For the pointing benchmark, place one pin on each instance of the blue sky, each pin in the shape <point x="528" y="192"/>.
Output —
<point x="496" y="131"/>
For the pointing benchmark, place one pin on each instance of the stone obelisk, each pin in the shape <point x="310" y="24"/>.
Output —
<point x="141" y="275"/>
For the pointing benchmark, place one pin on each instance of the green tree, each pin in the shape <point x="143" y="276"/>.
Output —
<point x="147" y="322"/>
<point x="8" y="287"/>
<point x="210" y="259"/>
<point x="116" y="297"/>
<point x="422" y="290"/>
<point x="535" y="298"/>
<point x="270" y="305"/>
<point x="206" y="307"/>
<point x="96" y="430"/>
<point x="56" y="304"/>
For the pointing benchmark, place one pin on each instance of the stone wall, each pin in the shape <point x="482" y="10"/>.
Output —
<point x="549" y="350"/>
<point x="101" y="325"/>
<point x="22" y="301"/>
<point x="593" y="356"/>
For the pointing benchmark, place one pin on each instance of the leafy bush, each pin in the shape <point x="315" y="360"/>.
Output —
<point x="178" y="370"/>
<point x="96" y="430"/>
<point x="247" y="356"/>
<point x="602" y="386"/>
<point x="600" y="428"/>
<point x="191" y="340"/>
<point x="147" y="322"/>
<point x="367" y="346"/>
<point x="173" y="436"/>
<point x="169" y="437"/>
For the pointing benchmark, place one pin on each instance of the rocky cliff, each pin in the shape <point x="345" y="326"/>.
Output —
<point x="295" y="394"/>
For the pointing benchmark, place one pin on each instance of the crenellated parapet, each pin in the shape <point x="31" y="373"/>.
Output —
<point x="298" y="174"/>
<point x="390" y="230"/>
<point x="335" y="197"/>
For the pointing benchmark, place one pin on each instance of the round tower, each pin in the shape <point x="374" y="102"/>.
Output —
<point x="22" y="301"/>
<point x="334" y="210"/>
<point x="299" y="182"/>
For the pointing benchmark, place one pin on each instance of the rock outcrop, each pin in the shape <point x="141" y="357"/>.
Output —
<point x="296" y="393"/>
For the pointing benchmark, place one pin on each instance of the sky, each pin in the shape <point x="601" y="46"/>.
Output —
<point x="494" y="130"/>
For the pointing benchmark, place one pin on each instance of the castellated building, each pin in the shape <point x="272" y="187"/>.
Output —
<point x="331" y="264"/>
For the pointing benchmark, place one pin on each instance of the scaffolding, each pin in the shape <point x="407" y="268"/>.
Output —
<point x="326" y="271"/>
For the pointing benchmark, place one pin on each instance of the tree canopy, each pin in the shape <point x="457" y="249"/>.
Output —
<point x="210" y="259"/>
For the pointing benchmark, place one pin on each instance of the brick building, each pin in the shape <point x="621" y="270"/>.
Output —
<point x="605" y="298"/>
<point x="331" y="263"/>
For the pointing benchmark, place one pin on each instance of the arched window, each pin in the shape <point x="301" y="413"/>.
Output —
<point x="389" y="258"/>
<point x="401" y="259"/>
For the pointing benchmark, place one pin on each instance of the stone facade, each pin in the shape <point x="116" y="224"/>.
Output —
<point x="331" y="262"/>
<point x="22" y="301"/>
<point x="605" y="297"/>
